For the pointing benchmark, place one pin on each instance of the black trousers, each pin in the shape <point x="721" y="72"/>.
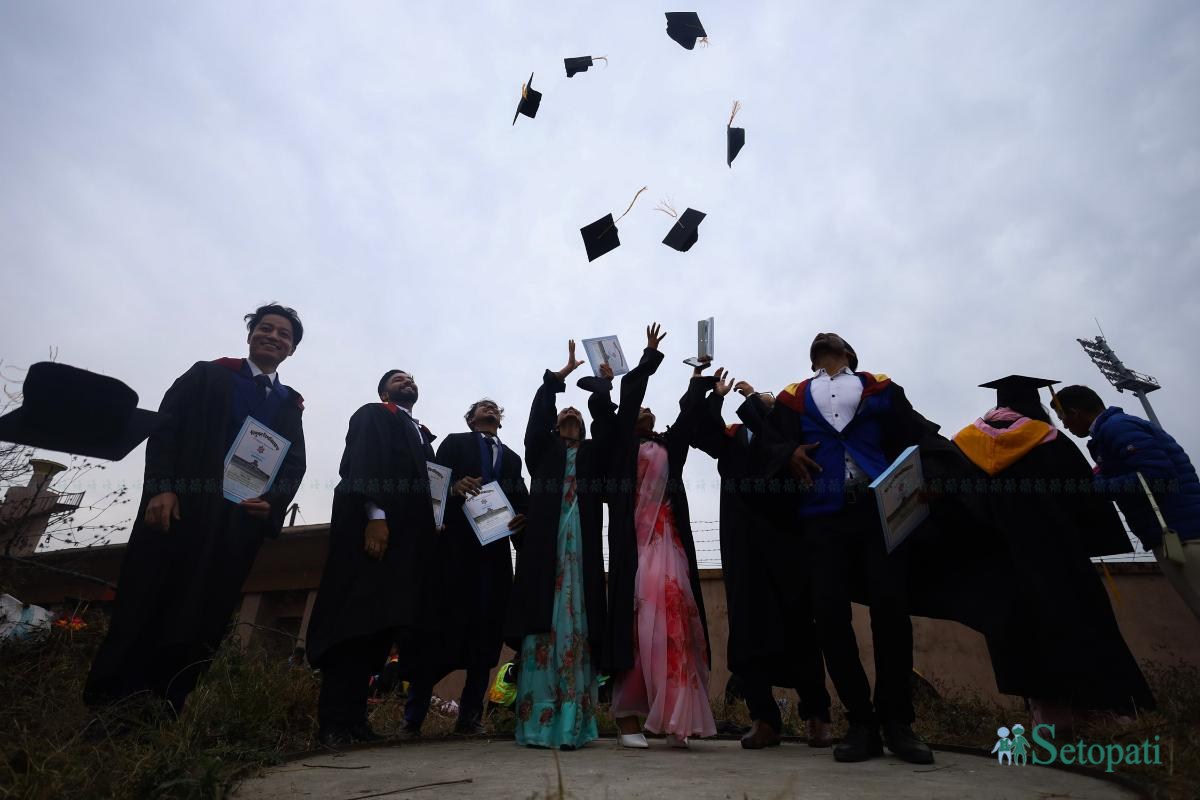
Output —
<point x="346" y="672"/>
<point x="846" y="548"/>
<point x="470" y="703"/>
<point x="810" y="686"/>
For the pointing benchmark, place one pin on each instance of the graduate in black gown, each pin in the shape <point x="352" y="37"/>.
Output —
<point x="666" y="682"/>
<point x="191" y="549"/>
<point x="772" y="636"/>
<point x="1035" y="480"/>
<point x="381" y="543"/>
<point x="472" y="583"/>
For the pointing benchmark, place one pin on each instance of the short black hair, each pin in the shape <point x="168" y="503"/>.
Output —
<point x="483" y="401"/>
<point x="1080" y="398"/>
<point x="387" y="376"/>
<point x="289" y="314"/>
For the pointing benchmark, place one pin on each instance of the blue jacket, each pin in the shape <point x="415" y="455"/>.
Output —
<point x="1123" y="445"/>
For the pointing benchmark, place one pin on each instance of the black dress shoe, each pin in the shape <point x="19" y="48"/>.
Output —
<point x="361" y="732"/>
<point x="334" y="737"/>
<point x="861" y="742"/>
<point x="907" y="745"/>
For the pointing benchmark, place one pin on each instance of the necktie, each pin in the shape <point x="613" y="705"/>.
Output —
<point x="264" y="382"/>
<point x="491" y="442"/>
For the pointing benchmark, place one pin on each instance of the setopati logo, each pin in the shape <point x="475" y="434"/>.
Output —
<point x="1013" y="748"/>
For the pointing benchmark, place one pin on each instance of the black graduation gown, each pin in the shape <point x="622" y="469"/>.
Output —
<point x="384" y="463"/>
<point x="473" y="583"/>
<point x="181" y="587"/>
<point x="617" y="433"/>
<point x="531" y="608"/>
<point x="762" y="562"/>
<point x="1068" y="646"/>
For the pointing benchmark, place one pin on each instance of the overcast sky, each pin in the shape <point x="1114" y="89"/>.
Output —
<point x="957" y="188"/>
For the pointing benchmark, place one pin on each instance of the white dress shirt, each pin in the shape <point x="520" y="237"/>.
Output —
<point x="837" y="398"/>
<point x="255" y="372"/>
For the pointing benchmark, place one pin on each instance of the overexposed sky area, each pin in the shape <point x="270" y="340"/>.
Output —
<point x="957" y="188"/>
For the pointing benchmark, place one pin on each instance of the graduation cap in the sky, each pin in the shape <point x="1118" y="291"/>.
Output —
<point x="529" y="102"/>
<point x="581" y="64"/>
<point x="1018" y="391"/>
<point x="600" y="237"/>
<point x="71" y="410"/>
<point x="685" y="231"/>
<point x="735" y="138"/>
<point x="684" y="27"/>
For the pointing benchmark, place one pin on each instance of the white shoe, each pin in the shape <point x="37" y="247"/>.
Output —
<point x="634" y="740"/>
<point x="676" y="741"/>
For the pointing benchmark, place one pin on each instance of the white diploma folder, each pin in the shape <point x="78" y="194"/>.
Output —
<point x="253" y="461"/>
<point x="706" y="342"/>
<point x="439" y="488"/>
<point x="489" y="513"/>
<point x="898" y="496"/>
<point x="602" y="349"/>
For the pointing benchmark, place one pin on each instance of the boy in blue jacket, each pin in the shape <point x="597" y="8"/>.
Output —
<point x="1123" y="446"/>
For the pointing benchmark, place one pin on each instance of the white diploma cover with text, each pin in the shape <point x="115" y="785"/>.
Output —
<point x="898" y="496"/>
<point x="605" y="349"/>
<point x="253" y="461"/>
<point x="439" y="486"/>
<point x="489" y="513"/>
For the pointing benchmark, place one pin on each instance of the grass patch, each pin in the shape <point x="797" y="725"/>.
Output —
<point x="251" y="711"/>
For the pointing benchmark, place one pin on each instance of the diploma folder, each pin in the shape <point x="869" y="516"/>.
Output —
<point x="605" y="349"/>
<point x="898" y="497"/>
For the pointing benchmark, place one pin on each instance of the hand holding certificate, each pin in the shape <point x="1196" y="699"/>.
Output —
<point x="605" y="350"/>
<point x="253" y="461"/>
<point x="898" y="495"/>
<point x="489" y="513"/>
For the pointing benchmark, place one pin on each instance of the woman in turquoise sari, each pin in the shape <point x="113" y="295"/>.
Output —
<point x="556" y="615"/>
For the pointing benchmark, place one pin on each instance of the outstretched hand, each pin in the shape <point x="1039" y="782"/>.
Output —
<point x="572" y="362"/>
<point x="654" y="335"/>
<point x="724" y="382"/>
<point x="743" y="388"/>
<point x="705" y="363"/>
<point x="606" y="371"/>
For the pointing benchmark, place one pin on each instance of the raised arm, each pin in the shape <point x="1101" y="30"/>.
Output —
<point x="543" y="414"/>
<point x="634" y="382"/>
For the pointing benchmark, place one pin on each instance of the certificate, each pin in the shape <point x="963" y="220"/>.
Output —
<point x="706" y="343"/>
<point x="489" y="513"/>
<point x="439" y="486"/>
<point x="602" y="349"/>
<point x="253" y="461"/>
<point x="898" y="496"/>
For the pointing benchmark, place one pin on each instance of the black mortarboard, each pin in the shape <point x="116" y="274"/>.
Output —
<point x="529" y="102"/>
<point x="600" y="237"/>
<point x="71" y="410"/>
<point x="735" y="138"/>
<point x="685" y="28"/>
<point x="685" y="231"/>
<point x="1017" y="390"/>
<point x="579" y="64"/>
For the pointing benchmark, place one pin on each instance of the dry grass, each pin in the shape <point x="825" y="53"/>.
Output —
<point x="252" y="711"/>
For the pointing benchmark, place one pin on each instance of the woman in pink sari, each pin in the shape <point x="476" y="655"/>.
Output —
<point x="658" y="640"/>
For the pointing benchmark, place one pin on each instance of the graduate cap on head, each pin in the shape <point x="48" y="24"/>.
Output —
<point x="600" y="237"/>
<point x="529" y="102"/>
<point x="685" y="231"/>
<point x="1018" y="390"/>
<point x="71" y="410"/>
<point x="735" y="138"/>
<point x="581" y="64"/>
<point x="685" y="28"/>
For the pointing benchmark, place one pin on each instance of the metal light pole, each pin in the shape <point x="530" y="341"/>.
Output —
<point x="1119" y="375"/>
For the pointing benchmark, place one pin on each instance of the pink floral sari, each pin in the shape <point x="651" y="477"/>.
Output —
<point x="668" y="684"/>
